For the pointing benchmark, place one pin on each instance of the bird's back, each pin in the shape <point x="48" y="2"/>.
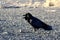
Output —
<point x="36" y="22"/>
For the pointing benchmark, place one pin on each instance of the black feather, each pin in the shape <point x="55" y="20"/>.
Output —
<point x="36" y="23"/>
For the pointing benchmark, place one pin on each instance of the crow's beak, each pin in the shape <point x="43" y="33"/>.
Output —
<point x="23" y="16"/>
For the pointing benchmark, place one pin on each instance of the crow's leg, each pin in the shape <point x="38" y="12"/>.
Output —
<point x="35" y="29"/>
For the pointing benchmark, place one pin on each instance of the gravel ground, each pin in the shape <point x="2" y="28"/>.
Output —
<point x="14" y="27"/>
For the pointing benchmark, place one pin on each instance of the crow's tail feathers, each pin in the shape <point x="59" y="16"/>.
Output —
<point x="48" y="28"/>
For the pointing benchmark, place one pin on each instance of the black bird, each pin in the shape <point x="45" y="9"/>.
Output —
<point x="36" y="23"/>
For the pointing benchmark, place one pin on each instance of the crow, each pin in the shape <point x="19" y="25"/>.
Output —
<point x="35" y="22"/>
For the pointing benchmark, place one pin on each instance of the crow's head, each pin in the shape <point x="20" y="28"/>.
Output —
<point x="27" y="16"/>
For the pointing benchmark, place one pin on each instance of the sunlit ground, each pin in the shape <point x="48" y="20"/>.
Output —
<point x="46" y="4"/>
<point x="14" y="27"/>
<point x="51" y="3"/>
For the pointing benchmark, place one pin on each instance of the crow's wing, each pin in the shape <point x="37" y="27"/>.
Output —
<point x="36" y="22"/>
